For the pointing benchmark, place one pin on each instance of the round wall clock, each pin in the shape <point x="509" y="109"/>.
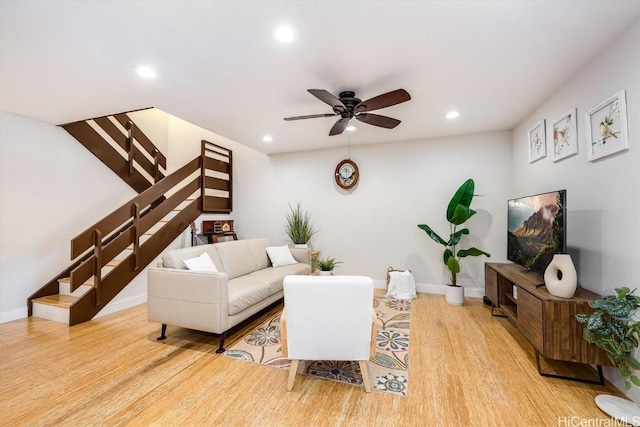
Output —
<point x="347" y="174"/>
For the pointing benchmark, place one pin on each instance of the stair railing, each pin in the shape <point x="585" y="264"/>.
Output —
<point x="124" y="228"/>
<point x="132" y="155"/>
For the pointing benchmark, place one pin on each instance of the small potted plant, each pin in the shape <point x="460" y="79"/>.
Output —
<point x="615" y="327"/>
<point x="326" y="265"/>
<point x="299" y="227"/>
<point x="458" y="212"/>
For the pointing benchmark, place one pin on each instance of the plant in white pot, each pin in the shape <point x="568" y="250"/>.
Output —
<point x="614" y="326"/>
<point x="299" y="227"/>
<point x="326" y="265"/>
<point x="458" y="213"/>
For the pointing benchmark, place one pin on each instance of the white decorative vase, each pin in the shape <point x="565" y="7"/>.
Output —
<point x="454" y="295"/>
<point x="325" y="273"/>
<point x="565" y="286"/>
<point x="300" y="245"/>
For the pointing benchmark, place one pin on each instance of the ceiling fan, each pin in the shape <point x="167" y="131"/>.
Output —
<point x="347" y="106"/>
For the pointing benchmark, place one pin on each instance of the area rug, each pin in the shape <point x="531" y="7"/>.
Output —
<point x="388" y="370"/>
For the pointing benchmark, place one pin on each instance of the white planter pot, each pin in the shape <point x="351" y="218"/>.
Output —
<point x="301" y="246"/>
<point x="325" y="273"/>
<point x="454" y="294"/>
<point x="564" y="287"/>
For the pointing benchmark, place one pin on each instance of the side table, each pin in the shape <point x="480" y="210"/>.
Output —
<point x="314" y="257"/>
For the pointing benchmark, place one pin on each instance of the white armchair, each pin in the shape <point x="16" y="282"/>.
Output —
<point x="328" y="318"/>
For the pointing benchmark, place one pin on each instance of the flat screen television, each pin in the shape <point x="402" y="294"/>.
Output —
<point x="537" y="229"/>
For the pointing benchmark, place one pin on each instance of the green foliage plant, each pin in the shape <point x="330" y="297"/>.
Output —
<point x="458" y="213"/>
<point x="299" y="227"/>
<point x="327" y="264"/>
<point x="614" y="328"/>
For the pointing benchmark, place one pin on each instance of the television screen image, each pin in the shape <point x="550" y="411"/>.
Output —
<point x="536" y="229"/>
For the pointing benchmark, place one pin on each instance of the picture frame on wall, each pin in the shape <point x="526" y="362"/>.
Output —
<point x="565" y="135"/>
<point x="607" y="127"/>
<point x="537" y="142"/>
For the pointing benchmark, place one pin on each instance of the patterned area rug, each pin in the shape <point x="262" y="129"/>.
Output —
<point x="388" y="370"/>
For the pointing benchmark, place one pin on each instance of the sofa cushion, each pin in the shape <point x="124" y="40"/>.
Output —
<point x="245" y="292"/>
<point x="175" y="257"/>
<point x="275" y="276"/>
<point x="260" y="255"/>
<point x="237" y="258"/>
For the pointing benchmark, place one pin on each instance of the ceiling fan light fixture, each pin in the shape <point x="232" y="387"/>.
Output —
<point x="284" y="34"/>
<point x="452" y="115"/>
<point x="351" y="128"/>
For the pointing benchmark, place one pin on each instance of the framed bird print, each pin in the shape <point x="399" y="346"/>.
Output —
<point x="607" y="131"/>
<point x="537" y="145"/>
<point x="565" y="137"/>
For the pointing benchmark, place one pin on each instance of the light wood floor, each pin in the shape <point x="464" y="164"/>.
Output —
<point x="466" y="368"/>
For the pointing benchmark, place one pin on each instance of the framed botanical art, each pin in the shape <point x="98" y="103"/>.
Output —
<point x="537" y="143"/>
<point x="565" y="137"/>
<point x="607" y="131"/>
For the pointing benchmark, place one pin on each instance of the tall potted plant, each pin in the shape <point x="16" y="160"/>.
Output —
<point x="299" y="227"/>
<point x="458" y="213"/>
<point x="614" y="326"/>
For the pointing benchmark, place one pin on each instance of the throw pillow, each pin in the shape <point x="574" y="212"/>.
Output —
<point x="280" y="256"/>
<point x="201" y="263"/>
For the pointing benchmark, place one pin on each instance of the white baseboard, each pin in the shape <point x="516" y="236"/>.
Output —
<point x="435" y="289"/>
<point x="121" y="304"/>
<point x="10" y="316"/>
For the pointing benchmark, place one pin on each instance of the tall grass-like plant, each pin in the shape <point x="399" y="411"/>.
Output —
<point x="614" y="328"/>
<point x="299" y="227"/>
<point x="458" y="212"/>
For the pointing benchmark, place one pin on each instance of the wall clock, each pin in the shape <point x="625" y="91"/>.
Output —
<point x="347" y="174"/>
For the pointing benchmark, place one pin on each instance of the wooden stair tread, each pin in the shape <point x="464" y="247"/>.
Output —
<point x="89" y="281"/>
<point x="63" y="301"/>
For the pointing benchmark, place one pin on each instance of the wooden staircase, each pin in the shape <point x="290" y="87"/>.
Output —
<point x="110" y="253"/>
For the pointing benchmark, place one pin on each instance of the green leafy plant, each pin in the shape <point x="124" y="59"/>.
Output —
<point x="299" y="227"/>
<point x="327" y="264"/>
<point x="458" y="212"/>
<point x="613" y="328"/>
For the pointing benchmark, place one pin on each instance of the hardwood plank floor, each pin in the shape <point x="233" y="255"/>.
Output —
<point x="466" y="368"/>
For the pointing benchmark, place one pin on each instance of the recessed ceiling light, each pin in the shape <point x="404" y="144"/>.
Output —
<point x="146" y="72"/>
<point x="351" y="128"/>
<point x="452" y="114"/>
<point x="284" y="34"/>
<point x="267" y="138"/>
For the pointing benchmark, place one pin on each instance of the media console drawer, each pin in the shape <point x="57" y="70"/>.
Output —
<point x="530" y="319"/>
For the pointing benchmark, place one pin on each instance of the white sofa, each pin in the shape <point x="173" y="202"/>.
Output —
<point x="246" y="282"/>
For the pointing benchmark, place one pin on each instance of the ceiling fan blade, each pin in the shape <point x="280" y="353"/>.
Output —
<point x="327" y="98"/>
<point x="378" y="120"/>
<point x="313" y="116"/>
<point x="381" y="101"/>
<point x="339" y="127"/>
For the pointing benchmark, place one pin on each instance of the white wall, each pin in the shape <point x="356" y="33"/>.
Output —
<point x="51" y="189"/>
<point x="374" y="225"/>
<point x="603" y="200"/>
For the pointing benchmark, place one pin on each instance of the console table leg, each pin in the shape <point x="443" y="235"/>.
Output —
<point x="600" y="380"/>
<point x="496" y="315"/>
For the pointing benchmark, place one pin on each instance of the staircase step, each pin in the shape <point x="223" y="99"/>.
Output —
<point x="63" y="301"/>
<point x="64" y="286"/>
<point x="53" y="307"/>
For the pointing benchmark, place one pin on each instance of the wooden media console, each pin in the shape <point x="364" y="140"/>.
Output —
<point x="546" y="321"/>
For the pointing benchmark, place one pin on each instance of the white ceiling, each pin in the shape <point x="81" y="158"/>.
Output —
<point x="220" y="68"/>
